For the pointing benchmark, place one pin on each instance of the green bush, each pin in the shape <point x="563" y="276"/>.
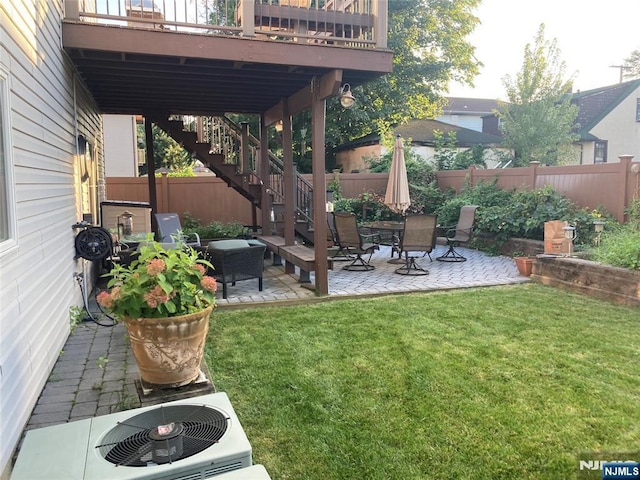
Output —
<point x="620" y="243"/>
<point x="522" y="213"/>
<point x="367" y="206"/>
<point x="214" y="229"/>
<point x="620" y="248"/>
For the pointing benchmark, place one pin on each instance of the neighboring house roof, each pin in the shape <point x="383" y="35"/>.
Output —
<point x="421" y="133"/>
<point x="469" y="106"/>
<point x="597" y="103"/>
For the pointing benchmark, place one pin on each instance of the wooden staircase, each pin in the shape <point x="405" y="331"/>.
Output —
<point x="225" y="161"/>
<point x="246" y="184"/>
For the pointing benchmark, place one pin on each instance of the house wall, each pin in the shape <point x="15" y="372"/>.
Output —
<point x="472" y="122"/>
<point x="120" y="145"/>
<point x="354" y="159"/>
<point x="48" y="107"/>
<point x="620" y="129"/>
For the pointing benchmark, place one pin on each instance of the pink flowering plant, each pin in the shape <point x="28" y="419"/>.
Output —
<point x="160" y="283"/>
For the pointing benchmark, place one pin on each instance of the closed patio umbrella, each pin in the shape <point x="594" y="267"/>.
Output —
<point x="397" y="194"/>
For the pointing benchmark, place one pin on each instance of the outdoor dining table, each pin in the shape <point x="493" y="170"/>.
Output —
<point x="395" y="228"/>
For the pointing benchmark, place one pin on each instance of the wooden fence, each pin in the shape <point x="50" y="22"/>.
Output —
<point x="611" y="186"/>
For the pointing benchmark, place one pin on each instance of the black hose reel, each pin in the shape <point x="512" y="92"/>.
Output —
<point x="92" y="242"/>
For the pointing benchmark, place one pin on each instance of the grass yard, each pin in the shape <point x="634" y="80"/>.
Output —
<point x="492" y="383"/>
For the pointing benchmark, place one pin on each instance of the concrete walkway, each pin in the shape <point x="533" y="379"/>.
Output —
<point x="95" y="374"/>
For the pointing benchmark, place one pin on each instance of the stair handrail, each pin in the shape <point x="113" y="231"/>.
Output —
<point x="303" y="195"/>
<point x="225" y="137"/>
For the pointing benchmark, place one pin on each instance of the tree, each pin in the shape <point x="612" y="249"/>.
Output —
<point x="428" y="40"/>
<point x="539" y="121"/>
<point x="632" y="64"/>
<point x="448" y="157"/>
<point x="167" y="152"/>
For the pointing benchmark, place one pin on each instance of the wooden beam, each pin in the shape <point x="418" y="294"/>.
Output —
<point x="318" y="113"/>
<point x="329" y="86"/>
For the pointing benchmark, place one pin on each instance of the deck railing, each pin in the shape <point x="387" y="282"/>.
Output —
<point x="225" y="137"/>
<point x="351" y="23"/>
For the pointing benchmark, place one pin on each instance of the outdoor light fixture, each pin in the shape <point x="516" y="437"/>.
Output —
<point x="599" y="227"/>
<point x="570" y="234"/>
<point x="81" y="145"/>
<point x="279" y="126"/>
<point x="125" y="223"/>
<point x="347" y="100"/>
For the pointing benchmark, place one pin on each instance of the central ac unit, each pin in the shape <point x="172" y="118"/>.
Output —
<point x="194" y="438"/>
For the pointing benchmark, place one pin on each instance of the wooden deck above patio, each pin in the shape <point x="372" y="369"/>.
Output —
<point x="195" y="58"/>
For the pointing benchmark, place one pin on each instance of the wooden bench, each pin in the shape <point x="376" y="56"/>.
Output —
<point x="304" y="258"/>
<point x="273" y="243"/>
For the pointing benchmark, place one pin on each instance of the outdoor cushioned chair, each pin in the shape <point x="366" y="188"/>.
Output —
<point x="170" y="229"/>
<point x="419" y="235"/>
<point x="351" y="241"/>
<point x="236" y="260"/>
<point x="457" y="234"/>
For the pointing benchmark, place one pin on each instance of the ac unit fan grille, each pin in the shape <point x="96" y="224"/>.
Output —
<point x="128" y="443"/>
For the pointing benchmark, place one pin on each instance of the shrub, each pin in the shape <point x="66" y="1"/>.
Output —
<point x="214" y="229"/>
<point x="620" y="248"/>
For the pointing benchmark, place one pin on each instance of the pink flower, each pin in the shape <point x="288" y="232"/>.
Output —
<point x="105" y="299"/>
<point x="209" y="283"/>
<point x="156" y="296"/>
<point x="199" y="267"/>
<point x="156" y="266"/>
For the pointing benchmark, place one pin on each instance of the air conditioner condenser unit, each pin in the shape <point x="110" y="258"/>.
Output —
<point x="194" y="438"/>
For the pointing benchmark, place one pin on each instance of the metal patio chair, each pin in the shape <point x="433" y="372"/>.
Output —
<point x="457" y="234"/>
<point x="419" y="235"/>
<point x="170" y="230"/>
<point x="353" y="242"/>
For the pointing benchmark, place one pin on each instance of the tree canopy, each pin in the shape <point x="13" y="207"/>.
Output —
<point x="632" y="66"/>
<point x="538" y="123"/>
<point x="430" y="49"/>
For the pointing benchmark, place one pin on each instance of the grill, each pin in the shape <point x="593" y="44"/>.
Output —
<point x="139" y="441"/>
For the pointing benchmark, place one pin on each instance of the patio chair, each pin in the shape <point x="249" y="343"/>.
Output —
<point x="419" y="235"/>
<point x="457" y="234"/>
<point x="353" y="242"/>
<point x="236" y="260"/>
<point x="170" y="230"/>
<point x="336" y="252"/>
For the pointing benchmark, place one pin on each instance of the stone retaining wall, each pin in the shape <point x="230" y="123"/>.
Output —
<point x="619" y="285"/>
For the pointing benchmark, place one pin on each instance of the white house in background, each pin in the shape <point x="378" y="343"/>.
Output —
<point x="609" y="119"/>
<point x="120" y="146"/>
<point x="353" y="156"/>
<point x="50" y="177"/>
<point x="472" y="113"/>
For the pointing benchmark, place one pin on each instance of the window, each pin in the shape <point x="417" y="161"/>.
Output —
<point x="600" y="152"/>
<point x="637" y="109"/>
<point x="7" y="205"/>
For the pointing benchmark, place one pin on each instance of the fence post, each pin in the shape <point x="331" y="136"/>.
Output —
<point x="472" y="169"/>
<point x="164" y="194"/>
<point x="623" y="176"/>
<point x="533" y="174"/>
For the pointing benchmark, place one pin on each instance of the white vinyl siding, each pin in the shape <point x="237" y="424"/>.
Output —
<point x="7" y="199"/>
<point x="49" y="107"/>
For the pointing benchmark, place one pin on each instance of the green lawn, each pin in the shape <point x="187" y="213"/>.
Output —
<point x="493" y="383"/>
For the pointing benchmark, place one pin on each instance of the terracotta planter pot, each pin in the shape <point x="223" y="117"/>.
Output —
<point x="525" y="265"/>
<point x="169" y="350"/>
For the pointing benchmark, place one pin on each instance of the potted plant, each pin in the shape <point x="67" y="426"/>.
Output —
<point x="165" y="298"/>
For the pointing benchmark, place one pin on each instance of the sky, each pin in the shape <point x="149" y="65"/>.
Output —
<point x="591" y="36"/>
